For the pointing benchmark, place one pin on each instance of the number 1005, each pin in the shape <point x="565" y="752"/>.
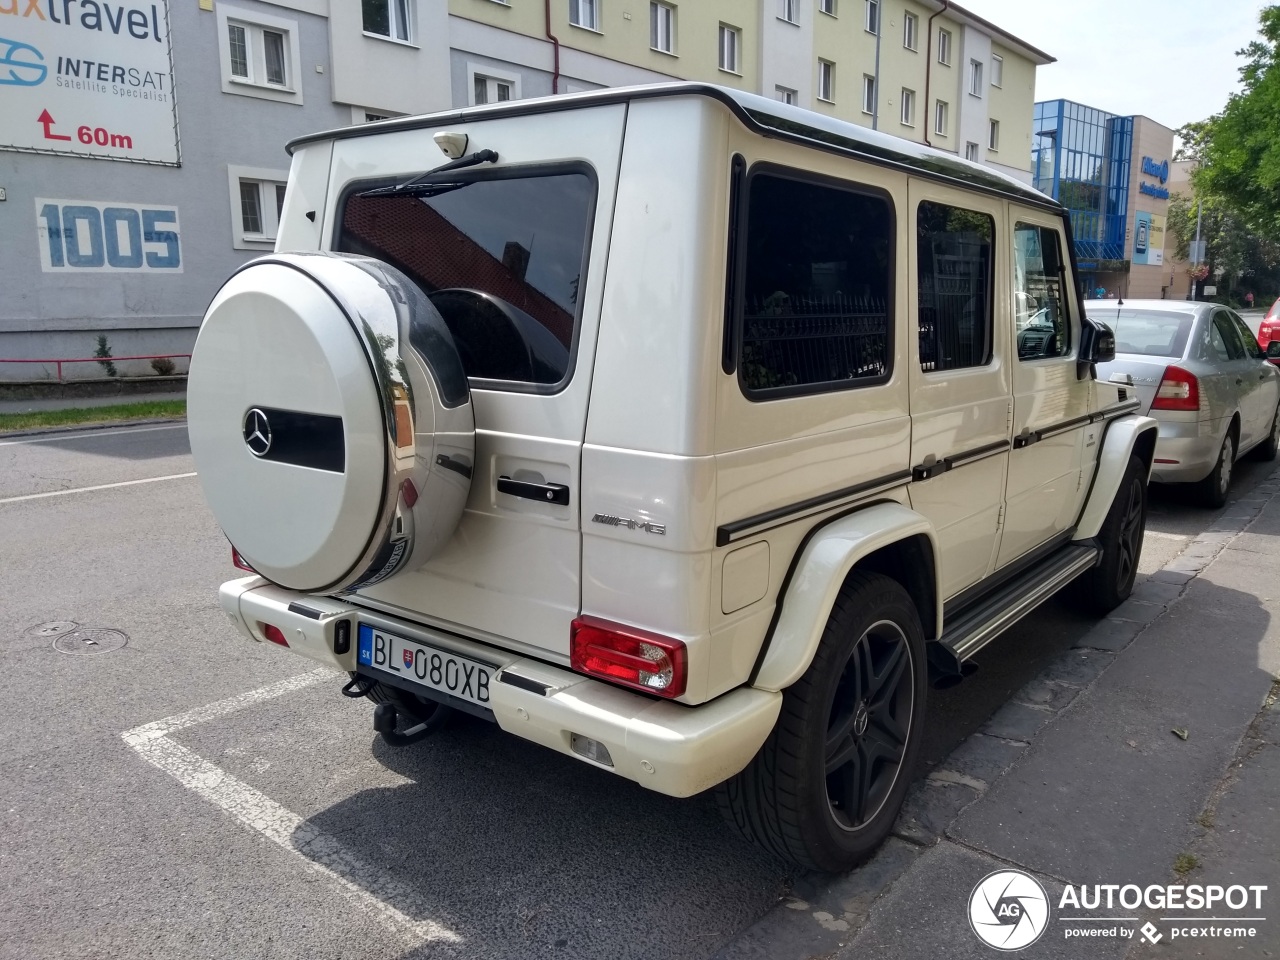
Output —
<point x="85" y="236"/>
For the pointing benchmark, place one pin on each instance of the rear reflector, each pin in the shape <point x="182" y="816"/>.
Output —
<point x="628" y="656"/>
<point x="238" y="561"/>
<point x="591" y="749"/>
<point x="273" y="633"/>
<point x="1179" y="390"/>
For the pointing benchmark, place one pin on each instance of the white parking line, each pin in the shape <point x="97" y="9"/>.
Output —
<point x="92" y="433"/>
<point x="100" y="486"/>
<point x="317" y="850"/>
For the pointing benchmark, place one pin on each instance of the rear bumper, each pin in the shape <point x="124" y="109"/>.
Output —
<point x="1193" y="445"/>
<point x="667" y="747"/>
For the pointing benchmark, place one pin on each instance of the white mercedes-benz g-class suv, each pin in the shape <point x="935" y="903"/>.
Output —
<point x="672" y="428"/>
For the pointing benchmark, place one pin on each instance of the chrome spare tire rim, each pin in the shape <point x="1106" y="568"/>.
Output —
<point x="869" y="725"/>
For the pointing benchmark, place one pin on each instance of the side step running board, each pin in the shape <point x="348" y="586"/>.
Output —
<point x="977" y="626"/>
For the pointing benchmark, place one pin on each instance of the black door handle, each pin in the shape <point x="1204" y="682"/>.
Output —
<point x="545" y="492"/>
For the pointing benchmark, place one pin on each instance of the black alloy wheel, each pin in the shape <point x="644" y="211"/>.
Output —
<point x="1132" y="528"/>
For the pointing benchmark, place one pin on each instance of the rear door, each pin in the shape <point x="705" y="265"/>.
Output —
<point x="959" y="376"/>
<point x="1259" y="378"/>
<point x="1236" y="376"/>
<point x="514" y="261"/>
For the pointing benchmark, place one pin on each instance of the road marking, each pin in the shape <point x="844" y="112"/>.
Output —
<point x="101" y="486"/>
<point x="318" y="851"/>
<point x="94" y="433"/>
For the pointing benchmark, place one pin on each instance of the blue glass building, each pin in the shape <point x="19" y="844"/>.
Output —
<point x="1091" y="162"/>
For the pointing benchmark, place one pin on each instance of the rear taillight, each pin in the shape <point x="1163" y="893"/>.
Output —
<point x="238" y="561"/>
<point x="1268" y="330"/>
<point x="629" y="656"/>
<point x="273" y="633"/>
<point x="1179" y="390"/>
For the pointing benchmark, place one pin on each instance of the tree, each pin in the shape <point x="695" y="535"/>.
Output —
<point x="1239" y="149"/>
<point x="1230" y="245"/>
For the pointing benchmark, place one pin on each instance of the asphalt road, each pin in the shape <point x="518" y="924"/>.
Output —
<point x="275" y="824"/>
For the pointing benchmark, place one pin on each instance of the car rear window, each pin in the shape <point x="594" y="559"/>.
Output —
<point x="502" y="258"/>
<point x="1148" y="332"/>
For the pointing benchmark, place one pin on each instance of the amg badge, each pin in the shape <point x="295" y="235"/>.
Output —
<point x="611" y="521"/>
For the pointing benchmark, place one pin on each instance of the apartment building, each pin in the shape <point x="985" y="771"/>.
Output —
<point x="141" y="163"/>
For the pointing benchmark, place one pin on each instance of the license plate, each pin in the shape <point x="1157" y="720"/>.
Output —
<point x="425" y="666"/>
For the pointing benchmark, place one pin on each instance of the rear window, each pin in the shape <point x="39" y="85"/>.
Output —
<point x="1147" y="333"/>
<point x="502" y="258"/>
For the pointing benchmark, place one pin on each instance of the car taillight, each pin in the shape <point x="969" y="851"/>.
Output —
<point x="273" y="633"/>
<point x="1179" y="390"/>
<point x="238" y="561"/>
<point x="628" y="656"/>
<point x="1268" y="330"/>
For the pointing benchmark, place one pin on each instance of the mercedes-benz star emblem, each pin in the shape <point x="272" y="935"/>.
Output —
<point x="257" y="432"/>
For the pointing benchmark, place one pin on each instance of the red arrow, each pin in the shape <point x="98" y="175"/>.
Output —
<point x="48" y="122"/>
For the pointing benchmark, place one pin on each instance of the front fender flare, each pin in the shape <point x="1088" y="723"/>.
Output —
<point x="1120" y="438"/>
<point x="820" y="572"/>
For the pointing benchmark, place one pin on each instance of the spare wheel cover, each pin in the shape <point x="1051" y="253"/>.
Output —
<point x="313" y="421"/>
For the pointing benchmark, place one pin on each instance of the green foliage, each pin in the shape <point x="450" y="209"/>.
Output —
<point x="1239" y="148"/>
<point x="104" y="351"/>
<point x="143" y="410"/>
<point x="1234" y="253"/>
<point x="163" y="366"/>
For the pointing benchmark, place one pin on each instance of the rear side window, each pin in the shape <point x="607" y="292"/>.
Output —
<point x="1040" y="307"/>
<point x="1226" y="342"/>
<point x="502" y="259"/>
<point x="816" y="266"/>
<point x="954" y="267"/>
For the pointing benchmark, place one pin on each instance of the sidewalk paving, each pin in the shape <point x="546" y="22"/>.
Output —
<point x="1080" y="779"/>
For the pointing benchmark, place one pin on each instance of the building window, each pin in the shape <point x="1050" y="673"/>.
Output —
<point x="489" y="86"/>
<point x="975" y="77"/>
<point x="730" y="40"/>
<point x="827" y="6"/>
<point x="585" y="14"/>
<point x="259" y="55"/>
<point x="997" y="71"/>
<point x="375" y="117"/>
<point x="826" y="81"/>
<point x="873" y="16"/>
<point x="940" y="118"/>
<point x="910" y="28"/>
<point x="954" y="281"/>
<point x="971" y="151"/>
<point x="387" y="18"/>
<point x="1044" y="327"/>
<point x="944" y="47"/>
<point x="789" y="10"/>
<point x="662" y="28"/>
<point x="908" y="107"/>
<point x="993" y="135"/>
<point x="257" y="201"/>
<point x="785" y="94"/>
<point x="868" y="93"/>
<point x="814" y="306"/>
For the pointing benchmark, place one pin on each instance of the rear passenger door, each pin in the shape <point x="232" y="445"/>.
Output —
<point x="1051" y="404"/>
<point x="960" y="393"/>
<point x="1253" y="380"/>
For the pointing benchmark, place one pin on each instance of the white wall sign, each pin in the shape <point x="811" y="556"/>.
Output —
<point x="88" y="78"/>
<point x="89" y="236"/>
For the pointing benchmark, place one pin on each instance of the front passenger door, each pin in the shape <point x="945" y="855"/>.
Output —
<point x="1051" y="405"/>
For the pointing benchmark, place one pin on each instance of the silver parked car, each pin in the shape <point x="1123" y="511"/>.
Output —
<point x="1199" y="371"/>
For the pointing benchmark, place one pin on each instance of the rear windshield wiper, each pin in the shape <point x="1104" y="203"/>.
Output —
<point x="416" y="187"/>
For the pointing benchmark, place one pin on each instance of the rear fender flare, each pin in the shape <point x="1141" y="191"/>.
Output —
<point x="826" y="560"/>
<point x="1122" y="437"/>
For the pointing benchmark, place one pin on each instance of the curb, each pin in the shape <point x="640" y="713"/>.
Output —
<point x="969" y="771"/>
<point x="87" y="427"/>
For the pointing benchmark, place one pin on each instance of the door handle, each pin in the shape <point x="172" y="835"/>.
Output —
<point x="545" y="492"/>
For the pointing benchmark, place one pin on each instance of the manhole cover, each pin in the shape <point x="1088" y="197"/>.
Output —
<point x="84" y="641"/>
<point x="54" y="628"/>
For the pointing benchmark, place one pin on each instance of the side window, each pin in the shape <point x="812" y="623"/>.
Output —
<point x="953" y="253"/>
<point x="1225" y="339"/>
<point x="1040" y="296"/>
<point x="814" y="309"/>
<point x="1247" y="339"/>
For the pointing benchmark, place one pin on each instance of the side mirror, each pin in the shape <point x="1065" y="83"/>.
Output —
<point x="1273" y="350"/>
<point x="1098" y="344"/>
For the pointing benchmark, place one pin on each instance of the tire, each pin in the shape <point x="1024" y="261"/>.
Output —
<point x="1107" y="585"/>
<point x="1269" y="448"/>
<point x="858" y="710"/>
<point x="1213" y="489"/>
